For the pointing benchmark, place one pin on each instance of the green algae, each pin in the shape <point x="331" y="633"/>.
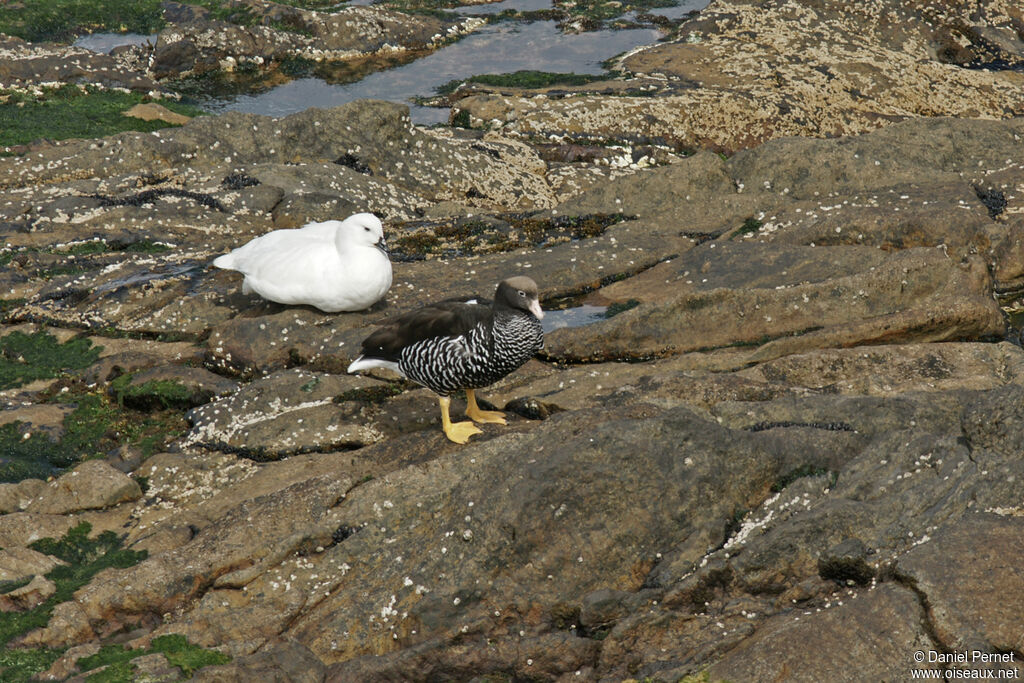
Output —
<point x="70" y="111"/>
<point x="788" y="478"/>
<point x="749" y="227"/>
<point x="112" y="673"/>
<point x="88" y="432"/>
<point x="176" y="648"/>
<point x="13" y="584"/>
<point x="20" y="665"/>
<point x="155" y="393"/>
<point x="28" y="357"/>
<point x="523" y="79"/>
<point x="63" y="20"/>
<point x="36" y="457"/>
<point x="503" y="232"/>
<point x="620" y="307"/>
<point x="85" y="557"/>
<point x="96" y="426"/>
<point x="185" y="656"/>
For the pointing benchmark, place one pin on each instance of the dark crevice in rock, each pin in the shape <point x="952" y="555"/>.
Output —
<point x="343" y="532"/>
<point x="827" y="426"/>
<point x="993" y="199"/>
<point x="355" y="163"/>
<point x="702" y="237"/>
<point x="493" y="153"/>
<point x="259" y="454"/>
<point x="494" y="233"/>
<point x="148" y="196"/>
<point x="532" y="409"/>
<point x="236" y="181"/>
<point x="376" y="394"/>
<point x="567" y="362"/>
<point x="846" y="562"/>
<point x="574" y="297"/>
<point x="927" y="624"/>
<point x="108" y="332"/>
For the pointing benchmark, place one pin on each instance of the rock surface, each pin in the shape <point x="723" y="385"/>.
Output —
<point x="92" y="485"/>
<point x="786" y="447"/>
<point x="739" y="74"/>
<point x="195" y="44"/>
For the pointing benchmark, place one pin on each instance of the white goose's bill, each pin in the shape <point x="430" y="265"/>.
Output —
<point x="537" y="311"/>
<point x="382" y="245"/>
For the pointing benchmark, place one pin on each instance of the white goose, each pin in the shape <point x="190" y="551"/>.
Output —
<point x="334" y="265"/>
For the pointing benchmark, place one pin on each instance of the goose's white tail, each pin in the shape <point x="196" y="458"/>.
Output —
<point x="368" y="363"/>
<point x="226" y="261"/>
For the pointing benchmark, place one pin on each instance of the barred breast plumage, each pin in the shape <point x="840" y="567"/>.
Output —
<point x="453" y="345"/>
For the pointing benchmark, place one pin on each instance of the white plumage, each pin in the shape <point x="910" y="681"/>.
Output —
<point x="334" y="265"/>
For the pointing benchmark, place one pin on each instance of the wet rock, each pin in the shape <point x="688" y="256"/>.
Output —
<point x="195" y="45"/>
<point x="966" y="572"/>
<point x="17" y="563"/>
<point x="873" y="67"/>
<point x="779" y="546"/>
<point x="66" y="665"/>
<point x="171" y="386"/>
<point x="286" y="413"/>
<point x="35" y="592"/>
<point x="18" y="529"/>
<point x="896" y="369"/>
<point x="846" y="562"/>
<point x="92" y="485"/>
<point x="155" y="667"/>
<point x="156" y="112"/>
<point x="823" y="645"/>
<point x="698" y="380"/>
<point x="541" y="657"/>
<point x="38" y="418"/>
<point x="287" y="660"/>
<point x="855" y="190"/>
<point x="177" y="481"/>
<point x="16" y="497"/>
<point x="911" y="295"/>
<point x="557" y="572"/>
<point x="113" y="366"/>
<point x="676" y="192"/>
<point x="32" y="64"/>
<point x="602" y="608"/>
<point x="68" y="626"/>
<point x="282" y="522"/>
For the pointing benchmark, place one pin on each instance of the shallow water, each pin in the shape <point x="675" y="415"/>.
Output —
<point x="148" y="275"/>
<point x="576" y="316"/>
<point x="498" y="7"/>
<point x="683" y="8"/>
<point x="680" y="10"/>
<point x="105" y="42"/>
<point x="497" y="48"/>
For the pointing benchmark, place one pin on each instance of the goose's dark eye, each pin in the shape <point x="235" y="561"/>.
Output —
<point x="366" y="228"/>
<point x="521" y="293"/>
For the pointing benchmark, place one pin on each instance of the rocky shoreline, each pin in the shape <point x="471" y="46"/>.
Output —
<point x="790" y="450"/>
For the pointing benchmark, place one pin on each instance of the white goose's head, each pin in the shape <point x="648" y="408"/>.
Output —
<point x="362" y="229"/>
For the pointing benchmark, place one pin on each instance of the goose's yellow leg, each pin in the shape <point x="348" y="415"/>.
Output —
<point x="459" y="432"/>
<point x="474" y="413"/>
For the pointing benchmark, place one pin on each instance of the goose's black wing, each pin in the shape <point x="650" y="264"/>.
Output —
<point x="443" y="319"/>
